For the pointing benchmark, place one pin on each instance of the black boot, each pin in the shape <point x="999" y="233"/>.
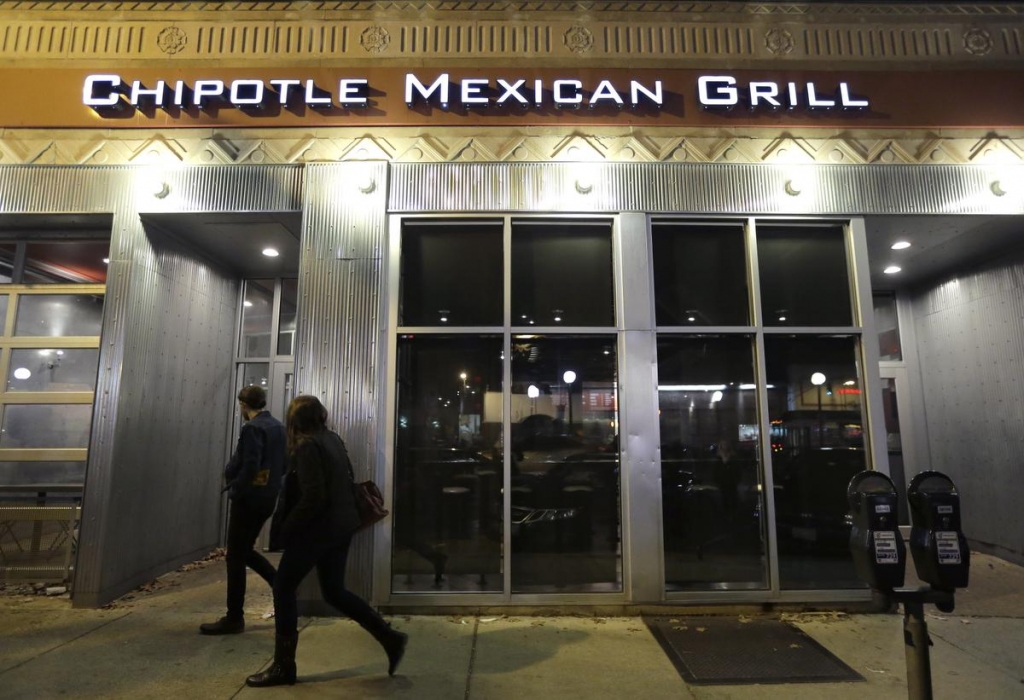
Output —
<point x="282" y="671"/>
<point x="394" y="643"/>
<point x="225" y="625"/>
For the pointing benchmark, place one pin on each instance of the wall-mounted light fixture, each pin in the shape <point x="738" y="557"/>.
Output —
<point x="795" y="185"/>
<point x="1001" y="188"/>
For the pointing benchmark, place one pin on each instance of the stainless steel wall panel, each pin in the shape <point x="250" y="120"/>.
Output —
<point x="338" y="354"/>
<point x="163" y="387"/>
<point x="970" y="341"/>
<point x="712" y="188"/>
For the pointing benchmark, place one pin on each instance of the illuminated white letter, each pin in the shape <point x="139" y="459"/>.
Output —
<point x="605" y="91"/>
<point x="512" y="91"/>
<point x="283" y="86"/>
<point x="472" y="89"/>
<point x="179" y="93"/>
<point x="764" y="91"/>
<point x="236" y="90"/>
<point x="636" y="88"/>
<point x="89" y="89"/>
<point x="538" y="92"/>
<point x="206" y="88"/>
<point x="718" y="90"/>
<point x="794" y="96"/>
<point x="156" y="93"/>
<point x="311" y="98"/>
<point x="813" y="101"/>
<point x="847" y="100"/>
<point x="352" y="91"/>
<point x="561" y="99"/>
<point x="440" y="86"/>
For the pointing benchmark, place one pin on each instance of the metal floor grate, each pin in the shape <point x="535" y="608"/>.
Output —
<point x="726" y="651"/>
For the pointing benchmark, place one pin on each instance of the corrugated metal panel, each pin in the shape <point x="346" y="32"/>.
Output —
<point x="338" y="348"/>
<point x="712" y="188"/>
<point x="970" y="338"/>
<point x="164" y="382"/>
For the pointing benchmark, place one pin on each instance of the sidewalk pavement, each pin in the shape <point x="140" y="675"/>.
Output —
<point x="147" y="645"/>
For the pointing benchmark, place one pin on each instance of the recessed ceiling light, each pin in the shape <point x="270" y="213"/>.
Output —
<point x="691" y="319"/>
<point x="901" y="245"/>
<point x="782" y="318"/>
<point x="892" y="270"/>
<point x="106" y="261"/>
<point x="270" y="252"/>
<point x="247" y="303"/>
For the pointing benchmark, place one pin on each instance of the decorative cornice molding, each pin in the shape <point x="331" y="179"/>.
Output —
<point x="575" y="7"/>
<point x="455" y="145"/>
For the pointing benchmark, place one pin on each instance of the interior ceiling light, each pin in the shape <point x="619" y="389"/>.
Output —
<point x="22" y="373"/>
<point x="892" y="269"/>
<point x="270" y="252"/>
<point x="900" y="245"/>
<point x="246" y="303"/>
<point x="106" y="261"/>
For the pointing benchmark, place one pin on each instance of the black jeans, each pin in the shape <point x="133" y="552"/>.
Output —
<point x="329" y="560"/>
<point x="244" y="525"/>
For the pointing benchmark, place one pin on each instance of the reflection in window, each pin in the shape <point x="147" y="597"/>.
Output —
<point x="804" y="278"/>
<point x="45" y="425"/>
<point x="712" y="496"/>
<point x="59" y="315"/>
<point x="817" y="438"/>
<point x="7" y="253"/>
<point x="565" y="465"/>
<point x="448" y="503"/>
<point x="64" y="262"/>
<point x="42" y="473"/>
<point x="451" y="273"/>
<point x="257" y="318"/>
<point x="562" y="273"/>
<point x="888" y="327"/>
<point x="255" y="374"/>
<point x="53" y="369"/>
<point x="700" y="274"/>
<point x="286" y="319"/>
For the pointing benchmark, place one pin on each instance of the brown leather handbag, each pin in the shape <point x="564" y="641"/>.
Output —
<point x="369" y="504"/>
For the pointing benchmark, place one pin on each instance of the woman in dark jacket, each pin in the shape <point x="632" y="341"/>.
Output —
<point x="315" y="519"/>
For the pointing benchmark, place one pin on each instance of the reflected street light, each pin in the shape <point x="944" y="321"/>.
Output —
<point x="569" y="377"/>
<point x="817" y="379"/>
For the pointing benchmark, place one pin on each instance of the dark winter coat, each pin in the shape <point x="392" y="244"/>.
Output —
<point x="317" y="505"/>
<point x="256" y="468"/>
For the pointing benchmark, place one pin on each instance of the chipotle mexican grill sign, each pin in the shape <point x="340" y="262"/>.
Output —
<point x="110" y="94"/>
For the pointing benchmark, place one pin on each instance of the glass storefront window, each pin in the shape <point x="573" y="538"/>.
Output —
<point x="287" y="317"/>
<point x="804" y="277"/>
<point x="63" y="262"/>
<point x="448" y="507"/>
<point x="451" y="273"/>
<point x="45" y="425"/>
<point x="59" y="315"/>
<point x="712" y="495"/>
<point x="4" y="303"/>
<point x="700" y="274"/>
<point x="257" y="318"/>
<point x="562" y="273"/>
<point x="888" y="327"/>
<point x="565" y="465"/>
<point x="818" y="444"/>
<point x="52" y="369"/>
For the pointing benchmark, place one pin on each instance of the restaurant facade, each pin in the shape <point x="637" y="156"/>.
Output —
<point x="610" y="299"/>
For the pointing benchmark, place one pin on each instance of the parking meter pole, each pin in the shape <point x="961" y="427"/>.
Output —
<point x="915" y="643"/>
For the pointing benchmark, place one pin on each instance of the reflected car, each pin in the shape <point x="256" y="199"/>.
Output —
<point x="810" y="499"/>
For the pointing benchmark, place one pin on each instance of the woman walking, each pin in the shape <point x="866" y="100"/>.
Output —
<point x="315" y="519"/>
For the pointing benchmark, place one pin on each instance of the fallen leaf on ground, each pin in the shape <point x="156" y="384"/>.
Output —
<point x="702" y="629"/>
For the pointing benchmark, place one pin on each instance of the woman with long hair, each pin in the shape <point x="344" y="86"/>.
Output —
<point x="315" y="519"/>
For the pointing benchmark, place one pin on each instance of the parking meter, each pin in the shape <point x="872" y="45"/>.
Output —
<point x="939" y="547"/>
<point x="879" y="554"/>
